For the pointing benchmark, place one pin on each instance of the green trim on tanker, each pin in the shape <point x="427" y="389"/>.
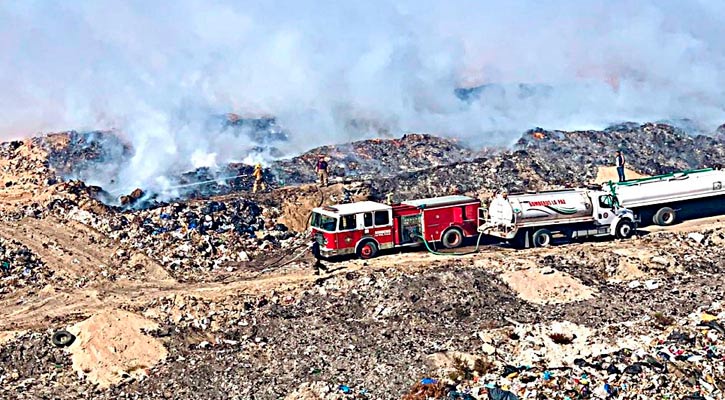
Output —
<point x="657" y="177"/>
<point x="563" y="210"/>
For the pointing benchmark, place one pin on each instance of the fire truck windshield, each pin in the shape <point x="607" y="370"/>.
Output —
<point x="323" y="222"/>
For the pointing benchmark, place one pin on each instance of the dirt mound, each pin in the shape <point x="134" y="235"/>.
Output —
<point x="547" y="286"/>
<point x="298" y="202"/>
<point x="606" y="174"/>
<point x="111" y="347"/>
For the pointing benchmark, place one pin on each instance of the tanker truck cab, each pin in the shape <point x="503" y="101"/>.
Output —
<point x="534" y="219"/>
<point x="610" y="218"/>
<point x="361" y="228"/>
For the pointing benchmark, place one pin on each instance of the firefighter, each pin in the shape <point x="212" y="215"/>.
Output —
<point x="258" y="178"/>
<point x="319" y="267"/>
<point x="619" y="160"/>
<point x="322" y="170"/>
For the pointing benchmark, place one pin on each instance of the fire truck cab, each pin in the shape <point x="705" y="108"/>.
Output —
<point x="364" y="228"/>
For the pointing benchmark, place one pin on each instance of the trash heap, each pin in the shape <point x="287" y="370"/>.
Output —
<point x="543" y="159"/>
<point x="235" y="177"/>
<point x="649" y="148"/>
<point x="684" y="361"/>
<point x="515" y="171"/>
<point x="84" y="155"/>
<point x="21" y="268"/>
<point x="22" y="164"/>
<point x="374" y="158"/>
<point x="414" y="165"/>
<point x="194" y="238"/>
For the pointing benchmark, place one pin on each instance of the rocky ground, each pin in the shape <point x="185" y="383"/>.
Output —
<point x="215" y="297"/>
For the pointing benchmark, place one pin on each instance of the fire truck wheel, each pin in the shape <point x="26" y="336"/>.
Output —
<point x="541" y="238"/>
<point x="625" y="229"/>
<point x="452" y="238"/>
<point x="367" y="250"/>
<point x="665" y="216"/>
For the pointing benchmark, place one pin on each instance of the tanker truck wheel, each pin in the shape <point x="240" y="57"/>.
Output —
<point x="625" y="229"/>
<point x="367" y="250"/>
<point x="541" y="238"/>
<point x="665" y="216"/>
<point x="452" y="238"/>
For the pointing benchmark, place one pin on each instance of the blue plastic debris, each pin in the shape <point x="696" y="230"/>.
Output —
<point x="428" y="381"/>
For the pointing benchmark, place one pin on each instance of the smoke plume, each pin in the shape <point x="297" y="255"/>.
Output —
<point x="332" y="71"/>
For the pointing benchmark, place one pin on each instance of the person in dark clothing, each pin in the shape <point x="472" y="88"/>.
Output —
<point x="620" y="166"/>
<point x="322" y="170"/>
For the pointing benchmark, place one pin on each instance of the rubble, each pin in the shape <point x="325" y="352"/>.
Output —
<point x="685" y="359"/>
<point x="375" y="158"/>
<point x="132" y="198"/>
<point x="195" y="238"/>
<point x="543" y="159"/>
<point x="21" y="268"/>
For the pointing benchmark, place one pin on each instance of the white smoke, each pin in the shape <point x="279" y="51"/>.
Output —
<point x="335" y="71"/>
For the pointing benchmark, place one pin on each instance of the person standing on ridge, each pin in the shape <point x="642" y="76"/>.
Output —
<point x="258" y="178"/>
<point x="620" y="165"/>
<point x="322" y="170"/>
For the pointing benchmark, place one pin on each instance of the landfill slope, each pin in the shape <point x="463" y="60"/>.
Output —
<point x="552" y="159"/>
<point x="213" y="295"/>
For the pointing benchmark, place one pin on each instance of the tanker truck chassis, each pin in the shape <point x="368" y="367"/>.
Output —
<point x="533" y="219"/>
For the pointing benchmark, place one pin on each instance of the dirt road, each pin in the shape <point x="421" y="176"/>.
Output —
<point x="79" y="255"/>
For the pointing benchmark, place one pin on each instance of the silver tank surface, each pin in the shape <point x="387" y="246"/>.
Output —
<point x="545" y="206"/>
<point x="679" y="186"/>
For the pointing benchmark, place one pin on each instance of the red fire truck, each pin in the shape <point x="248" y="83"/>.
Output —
<point x="366" y="227"/>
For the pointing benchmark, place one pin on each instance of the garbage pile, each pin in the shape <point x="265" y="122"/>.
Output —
<point x="21" y="268"/>
<point x="29" y="360"/>
<point x="551" y="159"/>
<point x="84" y="155"/>
<point x="375" y="157"/>
<point x="649" y="148"/>
<point x="720" y="132"/>
<point x="99" y="156"/>
<point x="415" y="165"/>
<point x="685" y="361"/>
<point x="194" y="238"/>
<point x="263" y="131"/>
<point x="21" y="164"/>
<point x="516" y="171"/>
<point x="235" y="177"/>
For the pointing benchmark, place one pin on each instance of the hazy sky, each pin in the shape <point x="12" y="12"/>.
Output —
<point x="155" y="70"/>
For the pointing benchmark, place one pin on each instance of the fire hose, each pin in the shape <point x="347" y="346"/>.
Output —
<point x="279" y="262"/>
<point x="438" y="253"/>
<point x="192" y="184"/>
<point x="302" y="252"/>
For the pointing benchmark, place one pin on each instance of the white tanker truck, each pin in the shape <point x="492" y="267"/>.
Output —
<point x="532" y="219"/>
<point x="660" y="198"/>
